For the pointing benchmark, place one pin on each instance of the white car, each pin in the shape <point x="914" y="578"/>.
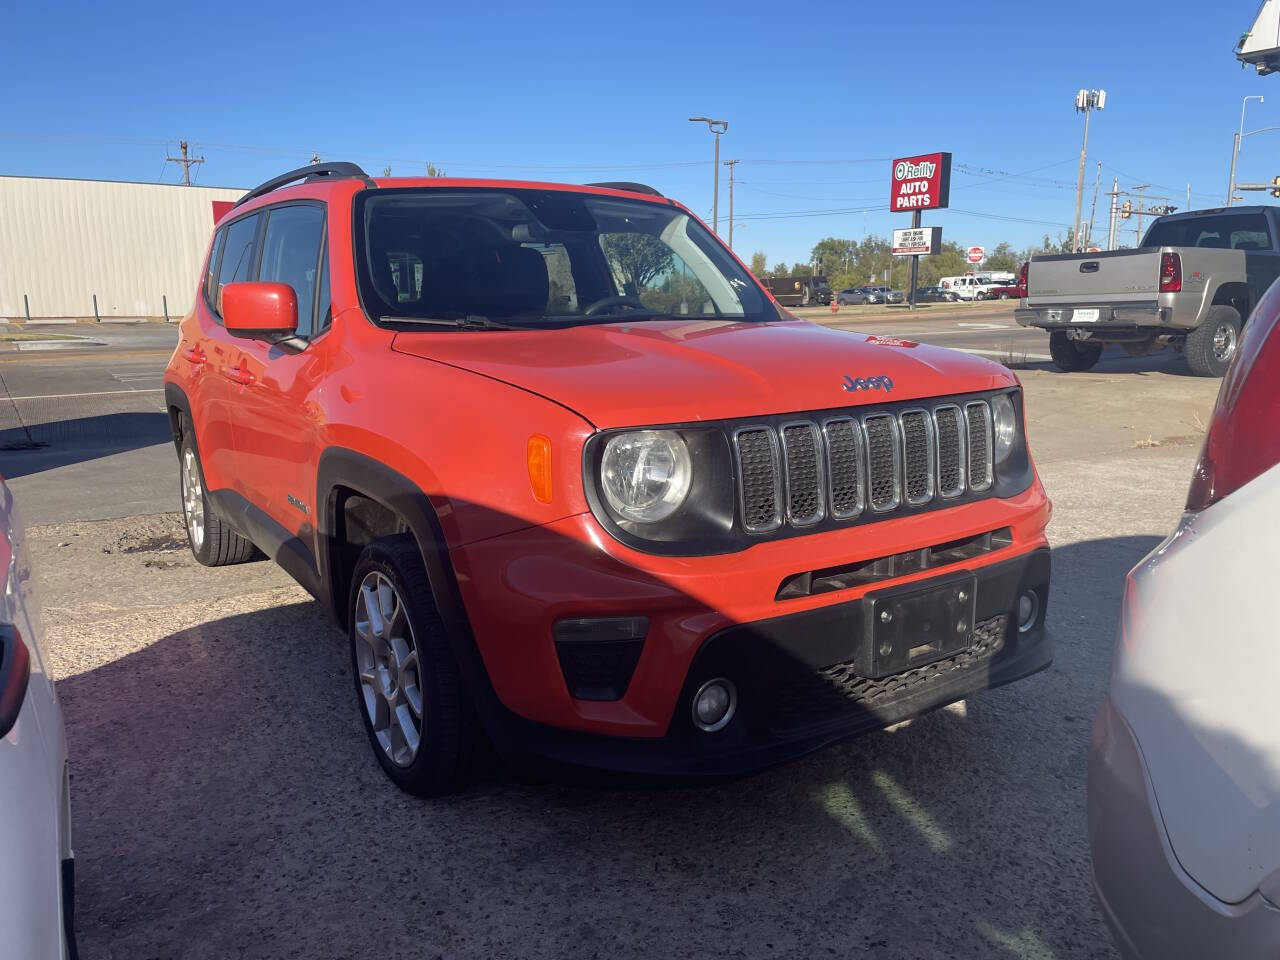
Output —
<point x="37" y="885"/>
<point x="1184" y="764"/>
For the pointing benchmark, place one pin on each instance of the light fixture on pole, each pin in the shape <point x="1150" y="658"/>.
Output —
<point x="1235" y="150"/>
<point x="1086" y="102"/>
<point x="717" y="127"/>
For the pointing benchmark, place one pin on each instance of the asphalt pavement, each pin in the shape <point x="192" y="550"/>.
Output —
<point x="227" y="804"/>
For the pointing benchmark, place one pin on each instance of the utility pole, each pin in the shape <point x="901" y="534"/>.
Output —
<point x="731" y="164"/>
<point x="1086" y="102"/>
<point x="1088" y="236"/>
<point x="1115" y="204"/>
<point x="187" y="162"/>
<point x="1140" y="188"/>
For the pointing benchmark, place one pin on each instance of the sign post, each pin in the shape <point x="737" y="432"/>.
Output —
<point x="920" y="183"/>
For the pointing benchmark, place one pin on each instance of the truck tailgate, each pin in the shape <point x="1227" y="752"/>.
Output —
<point x="1085" y="279"/>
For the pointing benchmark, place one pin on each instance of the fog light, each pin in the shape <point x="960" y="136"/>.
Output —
<point x="714" y="704"/>
<point x="1028" y="610"/>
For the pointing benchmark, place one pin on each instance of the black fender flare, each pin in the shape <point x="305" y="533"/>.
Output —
<point x="341" y="468"/>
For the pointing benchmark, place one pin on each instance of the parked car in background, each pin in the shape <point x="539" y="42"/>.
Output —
<point x="1191" y="286"/>
<point x="935" y="295"/>
<point x="889" y="295"/>
<point x="968" y="287"/>
<point x="633" y="539"/>
<point x="853" y="296"/>
<point x="37" y="873"/>
<point x="1007" y="291"/>
<point x="1184" y="763"/>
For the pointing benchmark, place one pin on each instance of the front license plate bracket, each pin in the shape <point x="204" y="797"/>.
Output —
<point x="912" y="626"/>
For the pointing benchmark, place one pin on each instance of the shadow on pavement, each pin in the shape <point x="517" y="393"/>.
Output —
<point x="36" y="447"/>
<point x="227" y="804"/>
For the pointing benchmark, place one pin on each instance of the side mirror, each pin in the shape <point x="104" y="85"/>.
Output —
<point x="260" y="311"/>
<point x="15" y="671"/>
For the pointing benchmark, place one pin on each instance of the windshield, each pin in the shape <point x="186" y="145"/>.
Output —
<point x="542" y="258"/>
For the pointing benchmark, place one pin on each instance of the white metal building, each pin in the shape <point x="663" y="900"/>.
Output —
<point x="135" y="247"/>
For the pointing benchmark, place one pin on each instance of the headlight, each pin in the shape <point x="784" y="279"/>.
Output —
<point x="646" y="474"/>
<point x="1005" y="425"/>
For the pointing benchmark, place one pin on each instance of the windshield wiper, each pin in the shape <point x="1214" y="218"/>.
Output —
<point x="470" y="322"/>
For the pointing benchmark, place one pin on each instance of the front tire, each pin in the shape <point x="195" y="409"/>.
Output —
<point x="1211" y="346"/>
<point x="415" y="707"/>
<point x="213" y="543"/>
<point x="1073" y="355"/>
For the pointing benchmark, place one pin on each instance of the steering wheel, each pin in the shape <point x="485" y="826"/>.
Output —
<point x="604" y="303"/>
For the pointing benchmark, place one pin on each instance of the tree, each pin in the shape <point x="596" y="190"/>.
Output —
<point x="636" y="258"/>
<point x="834" y="256"/>
<point x="434" y="171"/>
<point x="759" y="264"/>
<point x="1004" y="257"/>
<point x="780" y="270"/>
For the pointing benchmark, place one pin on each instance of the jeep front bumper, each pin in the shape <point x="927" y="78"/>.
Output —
<point x="798" y="663"/>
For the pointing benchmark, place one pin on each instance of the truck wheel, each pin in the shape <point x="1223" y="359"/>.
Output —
<point x="1211" y="346"/>
<point x="416" y="711"/>
<point x="213" y="543"/>
<point x="1073" y="355"/>
<point x="1004" y="296"/>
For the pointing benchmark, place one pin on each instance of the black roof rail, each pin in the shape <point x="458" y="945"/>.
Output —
<point x="315" y="171"/>
<point x="629" y="186"/>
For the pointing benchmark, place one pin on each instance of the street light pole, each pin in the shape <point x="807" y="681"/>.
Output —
<point x="1235" y="150"/>
<point x="717" y="127"/>
<point x="1086" y="102"/>
<point x="731" y="164"/>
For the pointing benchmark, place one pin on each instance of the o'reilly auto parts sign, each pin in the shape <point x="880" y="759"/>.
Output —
<point x="917" y="242"/>
<point x="921" y="183"/>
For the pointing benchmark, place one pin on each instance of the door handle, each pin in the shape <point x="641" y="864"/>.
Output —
<point x="195" y="356"/>
<point x="240" y="375"/>
<point x="1089" y="266"/>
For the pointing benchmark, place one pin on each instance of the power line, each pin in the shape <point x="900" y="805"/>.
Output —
<point x="187" y="161"/>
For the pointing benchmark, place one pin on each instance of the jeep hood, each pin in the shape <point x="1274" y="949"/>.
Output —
<point x="678" y="371"/>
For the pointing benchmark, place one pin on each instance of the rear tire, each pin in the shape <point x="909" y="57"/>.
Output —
<point x="1073" y="355"/>
<point x="416" y="710"/>
<point x="213" y="543"/>
<point x="1211" y="346"/>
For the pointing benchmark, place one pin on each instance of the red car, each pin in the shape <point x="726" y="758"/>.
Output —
<point x="578" y="489"/>
<point x="1010" y="291"/>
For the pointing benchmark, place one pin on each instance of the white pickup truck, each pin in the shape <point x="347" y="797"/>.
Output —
<point x="1191" y="285"/>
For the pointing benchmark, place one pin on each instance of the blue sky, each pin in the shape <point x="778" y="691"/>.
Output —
<point x="819" y="97"/>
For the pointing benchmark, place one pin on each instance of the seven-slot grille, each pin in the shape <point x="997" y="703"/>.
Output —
<point x="805" y="471"/>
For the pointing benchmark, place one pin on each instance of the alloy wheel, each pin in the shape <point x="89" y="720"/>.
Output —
<point x="388" y="665"/>
<point x="1224" y="342"/>
<point x="193" y="498"/>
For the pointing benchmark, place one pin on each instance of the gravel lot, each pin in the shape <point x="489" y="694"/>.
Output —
<point x="227" y="804"/>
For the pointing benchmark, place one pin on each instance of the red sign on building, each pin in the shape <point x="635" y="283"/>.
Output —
<point x="921" y="183"/>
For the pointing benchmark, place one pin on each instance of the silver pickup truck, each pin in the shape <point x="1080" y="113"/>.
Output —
<point x="1191" y="285"/>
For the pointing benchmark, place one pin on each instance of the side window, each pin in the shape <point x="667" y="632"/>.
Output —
<point x="238" y="258"/>
<point x="291" y="254"/>
<point x="211" y="273"/>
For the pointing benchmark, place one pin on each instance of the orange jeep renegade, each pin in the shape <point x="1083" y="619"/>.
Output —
<point x="578" y="489"/>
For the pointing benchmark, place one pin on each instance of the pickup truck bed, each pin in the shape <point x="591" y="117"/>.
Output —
<point x="1193" y="295"/>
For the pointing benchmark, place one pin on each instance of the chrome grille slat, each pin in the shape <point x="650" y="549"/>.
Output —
<point x="949" y="433"/>
<point x="884" y="462"/>
<point x="917" y="456"/>
<point x="760" y="482"/>
<point x="846" y="467"/>
<point x="802" y="458"/>
<point x="977" y="416"/>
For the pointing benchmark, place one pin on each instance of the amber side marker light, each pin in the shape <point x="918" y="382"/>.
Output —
<point x="540" y="467"/>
